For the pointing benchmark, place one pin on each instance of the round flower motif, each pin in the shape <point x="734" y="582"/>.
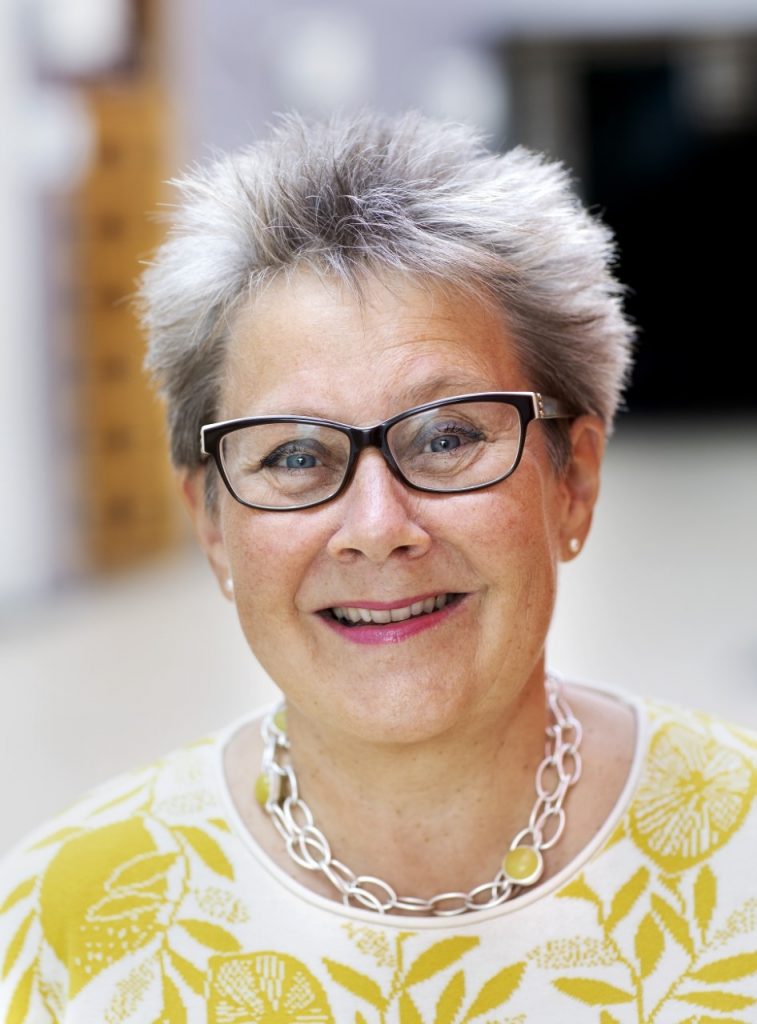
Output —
<point x="265" y="988"/>
<point x="694" y="796"/>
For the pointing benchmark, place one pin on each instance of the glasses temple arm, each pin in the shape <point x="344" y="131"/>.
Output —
<point x="546" y="408"/>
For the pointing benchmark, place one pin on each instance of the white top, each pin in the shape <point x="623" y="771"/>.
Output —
<point x="149" y="901"/>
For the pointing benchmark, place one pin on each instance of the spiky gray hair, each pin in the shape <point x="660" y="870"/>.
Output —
<point x="362" y="195"/>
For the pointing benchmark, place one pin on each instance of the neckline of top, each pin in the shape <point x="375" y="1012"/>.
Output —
<point x="526" y="899"/>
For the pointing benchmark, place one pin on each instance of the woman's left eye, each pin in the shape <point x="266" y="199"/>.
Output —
<point x="445" y="443"/>
<point x="300" y="461"/>
<point x="450" y="437"/>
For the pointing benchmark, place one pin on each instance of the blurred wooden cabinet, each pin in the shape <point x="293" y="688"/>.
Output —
<point x="127" y="507"/>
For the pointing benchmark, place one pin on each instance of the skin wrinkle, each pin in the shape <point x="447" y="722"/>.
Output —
<point x="378" y="732"/>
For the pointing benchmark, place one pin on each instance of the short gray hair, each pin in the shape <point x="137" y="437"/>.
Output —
<point x="365" y="194"/>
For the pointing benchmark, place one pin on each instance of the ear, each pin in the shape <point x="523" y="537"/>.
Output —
<point x="580" y="483"/>
<point x="207" y="525"/>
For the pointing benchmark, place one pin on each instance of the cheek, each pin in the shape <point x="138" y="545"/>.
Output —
<point x="266" y="562"/>
<point x="272" y="557"/>
<point x="515" y="541"/>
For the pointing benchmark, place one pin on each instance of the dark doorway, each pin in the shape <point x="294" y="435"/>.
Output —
<point x="663" y="134"/>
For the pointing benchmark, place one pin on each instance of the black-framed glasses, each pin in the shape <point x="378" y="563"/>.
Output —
<point x="464" y="443"/>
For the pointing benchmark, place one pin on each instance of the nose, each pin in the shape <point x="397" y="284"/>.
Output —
<point x="378" y="515"/>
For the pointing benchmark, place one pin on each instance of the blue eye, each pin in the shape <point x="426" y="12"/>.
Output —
<point x="290" y="456"/>
<point x="444" y="444"/>
<point x="300" y="461"/>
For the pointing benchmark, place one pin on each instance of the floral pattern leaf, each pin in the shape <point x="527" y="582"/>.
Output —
<point x="674" y="922"/>
<point x="193" y="977"/>
<point x="626" y="897"/>
<point x="359" y="1018"/>
<point x="174" y="1011"/>
<point x="595" y="993"/>
<point x="451" y="999"/>
<point x="705" y="897"/>
<point x="408" y="1010"/>
<point x="358" y="984"/>
<point x="19" y="893"/>
<point x="716" y="1000"/>
<point x="438" y="957"/>
<point x="207" y="849"/>
<point x="649" y="943"/>
<point x="705" y="1019"/>
<point x="210" y="935"/>
<point x="142" y="871"/>
<point x="129" y="905"/>
<point x="496" y="990"/>
<point x="578" y="889"/>
<point x="607" y="1018"/>
<point x="21" y="998"/>
<point x="17" y="944"/>
<point x="728" y="969"/>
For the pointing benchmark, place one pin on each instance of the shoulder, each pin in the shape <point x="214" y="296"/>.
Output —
<point x="92" y="886"/>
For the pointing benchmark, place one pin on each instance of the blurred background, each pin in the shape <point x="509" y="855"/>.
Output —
<point x="114" y="644"/>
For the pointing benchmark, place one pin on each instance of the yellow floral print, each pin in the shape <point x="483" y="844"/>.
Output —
<point x="694" y="795"/>
<point x="116" y="894"/>
<point x="133" y="910"/>
<point x="265" y="988"/>
<point x="452" y="1006"/>
<point x="114" y="882"/>
<point x="670" y="931"/>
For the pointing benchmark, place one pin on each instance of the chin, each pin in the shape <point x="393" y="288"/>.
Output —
<point x="404" y="715"/>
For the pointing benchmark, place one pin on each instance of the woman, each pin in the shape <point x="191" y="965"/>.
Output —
<point x="390" y="362"/>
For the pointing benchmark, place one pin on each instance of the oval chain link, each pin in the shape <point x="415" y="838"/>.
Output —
<point x="310" y="849"/>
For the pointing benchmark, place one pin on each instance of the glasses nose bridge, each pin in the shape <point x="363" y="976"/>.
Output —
<point x="371" y="437"/>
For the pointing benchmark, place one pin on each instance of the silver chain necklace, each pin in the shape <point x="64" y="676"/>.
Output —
<point x="278" y="792"/>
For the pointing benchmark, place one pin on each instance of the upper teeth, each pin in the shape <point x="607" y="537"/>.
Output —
<point x="394" y="614"/>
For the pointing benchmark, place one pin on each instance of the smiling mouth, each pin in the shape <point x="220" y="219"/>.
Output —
<point x="356" y="616"/>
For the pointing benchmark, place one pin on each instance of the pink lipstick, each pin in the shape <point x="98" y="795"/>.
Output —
<point x="390" y="622"/>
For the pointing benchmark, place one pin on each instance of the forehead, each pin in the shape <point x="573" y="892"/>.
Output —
<point x="309" y="345"/>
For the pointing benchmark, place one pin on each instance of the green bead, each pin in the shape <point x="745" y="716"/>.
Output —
<point x="262" y="789"/>
<point x="280" y="720"/>
<point x="523" y="865"/>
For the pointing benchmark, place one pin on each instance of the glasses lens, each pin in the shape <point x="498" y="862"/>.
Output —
<point x="282" y="465"/>
<point x="469" y="444"/>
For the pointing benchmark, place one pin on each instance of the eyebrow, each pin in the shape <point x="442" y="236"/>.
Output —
<point x="440" y="386"/>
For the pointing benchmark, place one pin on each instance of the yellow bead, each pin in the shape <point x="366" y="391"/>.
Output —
<point x="523" y="865"/>
<point x="280" y="720"/>
<point x="262" y="789"/>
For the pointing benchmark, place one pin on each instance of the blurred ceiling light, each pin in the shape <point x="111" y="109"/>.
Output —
<point x="83" y="37"/>
<point x="324" y="58"/>
<point x="467" y="85"/>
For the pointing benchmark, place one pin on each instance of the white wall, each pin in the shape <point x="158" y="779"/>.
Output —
<point x="24" y="498"/>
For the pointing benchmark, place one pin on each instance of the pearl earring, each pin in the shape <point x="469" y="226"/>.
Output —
<point x="228" y="585"/>
<point x="574" y="545"/>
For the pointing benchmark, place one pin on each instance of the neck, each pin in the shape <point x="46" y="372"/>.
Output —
<point x="444" y="811"/>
